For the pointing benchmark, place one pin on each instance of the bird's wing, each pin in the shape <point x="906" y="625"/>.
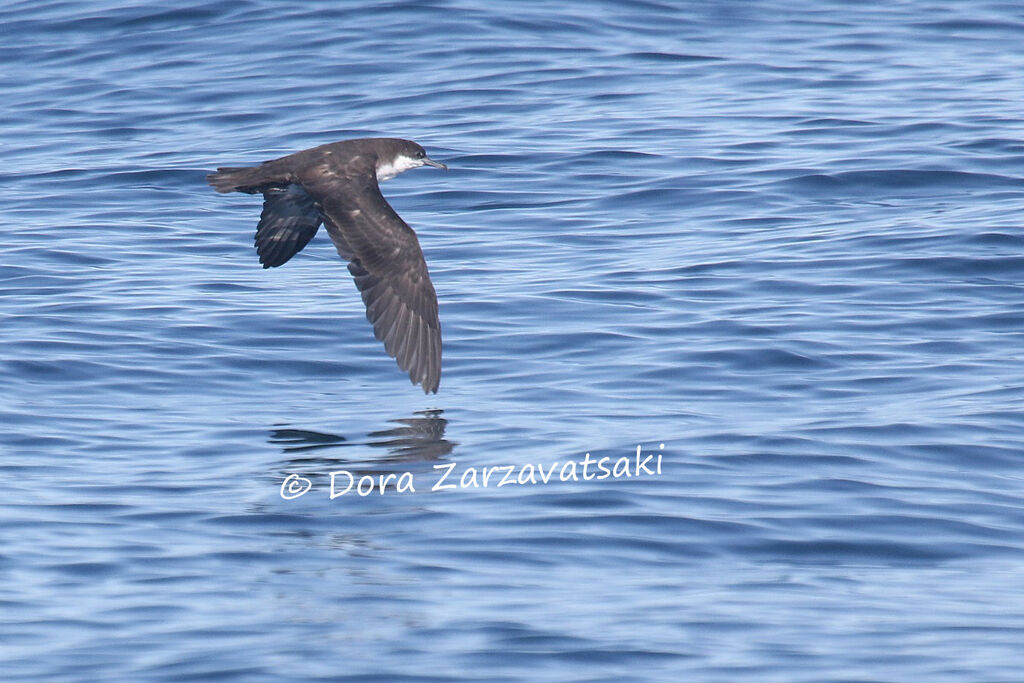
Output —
<point x="387" y="263"/>
<point x="288" y="222"/>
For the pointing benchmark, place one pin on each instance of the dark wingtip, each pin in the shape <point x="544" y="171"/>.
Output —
<point x="430" y="384"/>
<point x="425" y="378"/>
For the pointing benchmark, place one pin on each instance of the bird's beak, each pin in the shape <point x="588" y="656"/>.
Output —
<point x="436" y="164"/>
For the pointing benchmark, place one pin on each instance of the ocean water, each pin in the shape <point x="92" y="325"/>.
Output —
<point x="775" y="246"/>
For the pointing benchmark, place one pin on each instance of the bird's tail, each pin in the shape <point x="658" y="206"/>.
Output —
<point x="236" y="179"/>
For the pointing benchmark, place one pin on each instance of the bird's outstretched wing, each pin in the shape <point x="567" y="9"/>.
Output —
<point x="288" y="222"/>
<point x="387" y="263"/>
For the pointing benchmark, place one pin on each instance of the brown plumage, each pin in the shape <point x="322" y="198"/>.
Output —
<point x="337" y="185"/>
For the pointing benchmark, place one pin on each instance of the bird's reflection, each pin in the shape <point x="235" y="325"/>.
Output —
<point x="293" y="440"/>
<point x="420" y="437"/>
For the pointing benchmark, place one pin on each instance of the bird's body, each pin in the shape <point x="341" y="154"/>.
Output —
<point x="337" y="185"/>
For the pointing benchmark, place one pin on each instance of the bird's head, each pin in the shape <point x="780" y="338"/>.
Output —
<point x="398" y="156"/>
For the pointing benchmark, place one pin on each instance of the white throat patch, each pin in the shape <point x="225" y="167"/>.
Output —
<point x="400" y="164"/>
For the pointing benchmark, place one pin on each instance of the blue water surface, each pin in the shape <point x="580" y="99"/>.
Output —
<point x="776" y="244"/>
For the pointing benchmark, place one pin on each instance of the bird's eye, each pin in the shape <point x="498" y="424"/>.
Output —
<point x="420" y="154"/>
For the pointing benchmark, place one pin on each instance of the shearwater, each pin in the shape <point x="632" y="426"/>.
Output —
<point x="338" y="185"/>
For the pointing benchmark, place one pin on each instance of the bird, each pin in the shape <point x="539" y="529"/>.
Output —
<point x="338" y="185"/>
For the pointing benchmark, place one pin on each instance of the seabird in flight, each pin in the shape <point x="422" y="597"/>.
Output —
<point x="337" y="185"/>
